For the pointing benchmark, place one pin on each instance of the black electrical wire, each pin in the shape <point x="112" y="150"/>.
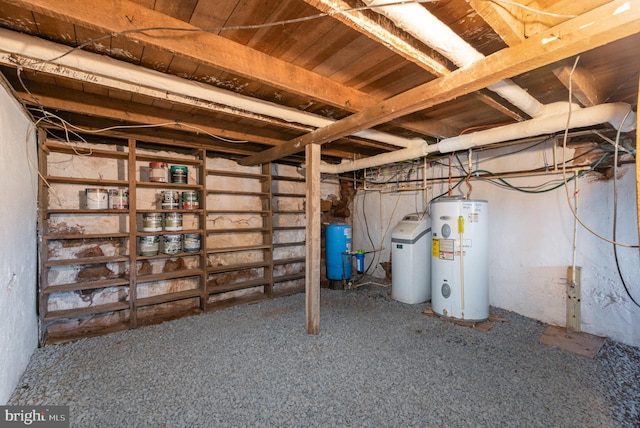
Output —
<point x="615" y="216"/>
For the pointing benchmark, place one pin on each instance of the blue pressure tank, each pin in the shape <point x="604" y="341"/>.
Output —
<point x="338" y="242"/>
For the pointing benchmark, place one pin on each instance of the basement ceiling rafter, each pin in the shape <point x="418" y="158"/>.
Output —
<point x="270" y="82"/>
<point x="597" y="27"/>
<point x="123" y="19"/>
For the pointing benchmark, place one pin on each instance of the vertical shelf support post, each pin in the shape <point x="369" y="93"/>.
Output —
<point x="313" y="231"/>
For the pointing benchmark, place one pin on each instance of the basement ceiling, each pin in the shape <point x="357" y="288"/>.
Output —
<point x="303" y="56"/>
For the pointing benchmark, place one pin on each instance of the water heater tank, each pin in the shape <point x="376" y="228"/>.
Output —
<point x="337" y="244"/>
<point x="410" y="245"/>
<point x="459" y="258"/>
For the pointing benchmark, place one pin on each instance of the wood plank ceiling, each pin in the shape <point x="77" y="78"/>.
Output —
<point x="351" y="70"/>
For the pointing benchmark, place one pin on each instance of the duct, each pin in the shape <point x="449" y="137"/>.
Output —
<point x="108" y="71"/>
<point x="419" y="22"/>
<point x="614" y="113"/>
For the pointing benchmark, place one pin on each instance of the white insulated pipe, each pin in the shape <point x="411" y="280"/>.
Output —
<point x="109" y="71"/>
<point x="419" y="22"/>
<point x="613" y="113"/>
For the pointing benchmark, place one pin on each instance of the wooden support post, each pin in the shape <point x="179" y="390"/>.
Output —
<point x="133" y="228"/>
<point x="638" y="170"/>
<point x="573" y="299"/>
<point x="312" y="280"/>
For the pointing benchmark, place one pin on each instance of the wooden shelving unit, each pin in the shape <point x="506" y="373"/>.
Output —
<point x="124" y="289"/>
<point x="245" y="269"/>
<point x="286" y="202"/>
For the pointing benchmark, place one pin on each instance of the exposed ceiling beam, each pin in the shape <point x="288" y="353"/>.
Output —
<point x="390" y="37"/>
<point x="97" y="106"/>
<point x="583" y="85"/>
<point x="123" y="18"/>
<point x="432" y="62"/>
<point x="535" y="23"/>
<point x="503" y="18"/>
<point x="616" y="20"/>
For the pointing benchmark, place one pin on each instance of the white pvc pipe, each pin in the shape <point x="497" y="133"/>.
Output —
<point x="133" y="76"/>
<point x="419" y="22"/>
<point x="613" y="113"/>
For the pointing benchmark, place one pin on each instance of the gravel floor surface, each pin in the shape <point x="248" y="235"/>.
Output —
<point x="375" y="363"/>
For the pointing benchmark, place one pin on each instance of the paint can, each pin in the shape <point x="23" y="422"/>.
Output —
<point x="149" y="245"/>
<point x="158" y="172"/>
<point x="118" y="199"/>
<point x="190" y="200"/>
<point x="179" y="174"/>
<point x="173" y="221"/>
<point x="172" y="244"/>
<point x="170" y="199"/>
<point x="97" y="198"/>
<point x="152" y="222"/>
<point x="192" y="242"/>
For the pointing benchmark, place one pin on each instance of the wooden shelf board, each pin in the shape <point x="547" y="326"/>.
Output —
<point x="238" y="174"/>
<point x="238" y="249"/>
<point x="286" y="178"/>
<point x="167" y="159"/>
<point x="181" y="210"/>
<point x="257" y="282"/>
<point x="86" y="181"/>
<point x="85" y="211"/>
<point x="290" y="277"/>
<point x="169" y="297"/>
<point x="163" y="276"/>
<point x="289" y="195"/>
<point x="172" y="232"/>
<point x="238" y="266"/>
<point x="277" y="228"/>
<point x="230" y="211"/>
<point x="72" y="149"/>
<point x="237" y="193"/>
<point x="82" y="333"/>
<point x="91" y="310"/>
<point x="173" y="186"/>
<point x="86" y="285"/>
<point x="147" y="320"/>
<point x="87" y="261"/>
<point x="279" y="262"/>
<point x="289" y="212"/>
<point x="87" y="236"/>
<point x="246" y="299"/>
<point x="289" y="244"/>
<point x="239" y="230"/>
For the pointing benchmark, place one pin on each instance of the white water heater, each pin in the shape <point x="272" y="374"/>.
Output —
<point x="459" y="258"/>
<point x="410" y="241"/>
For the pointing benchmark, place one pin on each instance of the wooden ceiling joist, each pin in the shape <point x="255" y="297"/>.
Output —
<point x="615" y="20"/>
<point x="124" y="18"/>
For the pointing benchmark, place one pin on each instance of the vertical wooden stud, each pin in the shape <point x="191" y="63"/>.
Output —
<point x="133" y="255"/>
<point x="638" y="170"/>
<point x="202" y="226"/>
<point x="312" y="267"/>
<point x="43" y="217"/>
<point x="573" y="299"/>
<point x="267" y="223"/>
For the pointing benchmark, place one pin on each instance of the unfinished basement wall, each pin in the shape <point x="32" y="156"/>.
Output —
<point x="18" y="211"/>
<point x="531" y="243"/>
